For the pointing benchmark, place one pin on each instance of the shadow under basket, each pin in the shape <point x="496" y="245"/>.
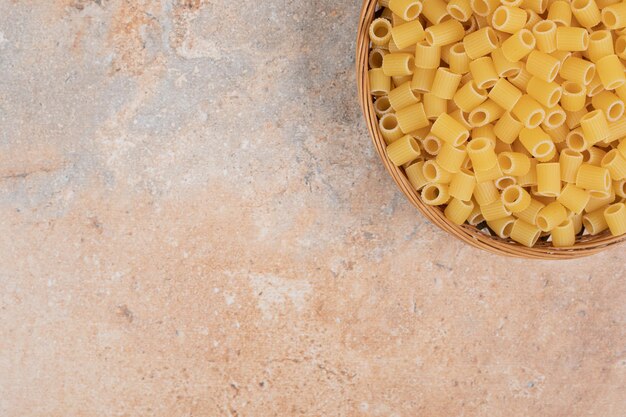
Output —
<point x="585" y="245"/>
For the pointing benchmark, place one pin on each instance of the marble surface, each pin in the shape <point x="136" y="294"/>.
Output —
<point x="193" y="223"/>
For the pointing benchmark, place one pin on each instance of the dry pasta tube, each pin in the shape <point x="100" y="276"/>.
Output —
<point x="536" y="141"/>
<point x="445" y="84"/>
<point x="593" y="178"/>
<point x="458" y="60"/>
<point x="423" y="79"/>
<point x="551" y="216"/>
<point x="434" y="106"/>
<point x="619" y="188"/>
<point x="490" y="174"/>
<point x="480" y="43"/>
<point x="435" y="173"/>
<point x="406" y="9"/>
<point x="600" y="45"/>
<point x="412" y="118"/>
<point x="573" y="198"/>
<point x="509" y="19"/>
<point x="432" y="145"/>
<point x="494" y="211"/>
<point x="382" y="106"/>
<point x="514" y="163"/>
<point x="570" y="161"/>
<point x="407" y="34"/>
<point x="545" y="35"/>
<point x="445" y="33"/>
<point x="519" y="45"/>
<point x="484" y="7"/>
<point x="610" y="104"/>
<point x="458" y="211"/>
<point x="596" y="203"/>
<point x="389" y="128"/>
<point x="415" y="175"/>
<point x="595" y="222"/>
<point x="558" y="135"/>
<point x="593" y="156"/>
<point x="403" y="96"/>
<point x="521" y="79"/>
<point x="620" y="47"/>
<point x="525" y="233"/>
<point x="543" y="66"/>
<point x="578" y="70"/>
<point x="475" y="217"/>
<point x="468" y="97"/>
<point x="380" y="84"/>
<point x="507" y="128"/>
<point x="502" y="227"/>
<point x="622" y="147"/>
<point x="376" y="57"/>
<point x="436" y="11"/>
<point x="380" y="32"/>
<point x="549" y="179"/>
<point x="586" y="12"/>
<point x="449" y="130"/>
<point x="398" y="64"/>
<point x="483" y="72"/>
<point x="529" y="111"/>
<point x="485" y="113"/>
<point x="615" y="217"/>
<point x="532" y="211"/>
<point x="397" y="81"/>
<point x="616" y="164"/>
<point x="462" y="185"/>
<point x="555" y="117"/>
<point x="434" y="194"/>
<point x="403" y="150"/>
<point x="504" y="67"/>
<point x="485" y="193"/>
<point x="571" y="39"/>
<point x="505" y="94"/>
<point x="480" y="151"/>
<point x="595" y="127"/>
<point x="560" y="13"/>
<point x="504" y="182"/>
<point x="486" y="132"/>
<point x="427" y="56"/>
<point x="451" y="158"/>
<point x="564" y="235"/>
<point x="577" y="219"/>
<point x="595" y="86"/>
<point x="547" y="94"/>
<point x="460" y="10"/>
<point x="611" y="72"/>
<point x="515" y="198"/>
<point x="614" y="16"/>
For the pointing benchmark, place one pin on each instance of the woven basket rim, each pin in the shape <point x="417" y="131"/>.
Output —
<point x="585" y="246"/>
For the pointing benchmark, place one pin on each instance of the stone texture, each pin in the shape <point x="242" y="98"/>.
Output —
<point x="194" y="223"/>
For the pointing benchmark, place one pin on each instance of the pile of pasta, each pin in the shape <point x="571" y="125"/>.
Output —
<point x="509" y="112"/>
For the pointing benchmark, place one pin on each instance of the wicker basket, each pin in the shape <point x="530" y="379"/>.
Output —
<point x="585" y="245"/>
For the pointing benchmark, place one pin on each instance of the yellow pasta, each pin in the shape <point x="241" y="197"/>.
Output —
<point x="564" y="234"/>
<point x="435" y="173"/>
<point x="576" y="141"/>
<point x="595" y="179"/>
<point x="529" y="111"/>
<point x="393" y="48"/>
<point x="555" y="117"/>
<point x="615" y="163"/>
<point x="491" y="174"/>
<point x="519" y="45"/>
<point x="380" y="31"/>
<point x="484" y="7"/>
<point x="434" y="194"/>
<point x="380" y="84"/>
<point x="458" y="211"/>
<point x="611" y="72"/>
<point x="406" y="9"/>
<point x="485" y="193"/>
<point x="458" y="60"/>
<point x="615" y="217"/>
<point x="573" y="198"/>
<point x="595" y="126"/>
<point x="460" y="10"/>
<point x="620" y="47"/>
<point x="427" y="56"/>
<point x="445" y="33"/>
<point x="462" y="185"/>
<point x="480" y="43"/>
<point x="525" y="233"/>
<point x="486" y="132"/>
<point x="494" y="211"/>
<point x="614" y="16"/>
<point x="545" y="36"/>
<point x="610" y="104"/>
<point x="398" y="64"/>
<point x="412" y="118"/>
<point x="484" y="72"/>
<point x="551" y="216"/>
<point x="468" y="97"/>
<point x="571" y="39"/>
<point x="593" y="156"/>
<point x="504" y="182"/>
<point x="515" y="198"/>
<point x="509" y="19"/>
<point x="389" y="127"/>
<point x="397" y="81"/>
<point x="382" y="106"/>
<point x="622" y="147"/>
<point x="423" y="79"/>
<point x="560" y="13"/>
<point x="451" y="158"/>
<point x="403" y="150"/>
<point x="600" y="45"/>
<point x="595" y="86"/>
<point x="586" y="12"/>
<point x="475" y="217"/>
<point x="573" y="97"/>
<point x="545" y="93"/>
<point x="570" y="161"/>
<point x="504" y="67"/>
<point x="595" y="222"/>
<point x="450" y="130"/>
<point x="596" y="203"/>
<point x="543" y="66"/>
<point x="403" y="96"/>
<point x="432" y="144"/>
<point x="376" y="57"/>
<point x="445" y="83"/>
<point x="415" y="175"/>
<point x="619" y="187"/>
<point x="481" y="152"/>
<point x="485" y="113"/>
<point x="434" y="106"/>
<point x="502" y="227"/>
<point x="505" y="94"/>
<point x="508" y="127"/>
<point x="407" y="34"/>
<point x="514" y="163"/>
<point x="549" y="179"/>
<point x="532" y="211"/>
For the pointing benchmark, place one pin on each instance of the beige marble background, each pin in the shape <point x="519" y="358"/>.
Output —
<point x="194" y="223"/>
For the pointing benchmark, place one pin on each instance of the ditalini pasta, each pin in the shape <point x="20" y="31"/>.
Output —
<point x="508" y="113"/>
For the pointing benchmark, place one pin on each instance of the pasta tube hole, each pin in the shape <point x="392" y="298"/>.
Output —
<point x="431" y="145"/>
<point x="381" y="30"/>
<point x="527" y="38"/>
<point x="430" y="172"/>
<point x="413" y="11"/>
<point x="580" y="4"/>
<point x="545" y="26"/>
<point x="511" y="195"/>
<point x="431" y="192"/>
<point x="543" y="149"/>
<point x="609" y="18"/>
<point x="481" y="7"/>
<point x="382" y="105"/>
<point x="620" y="45"/>
<point x="376" y="59"/>
<point x="576" y="141"/>
<point x="504" y="182"/>
<point x="542" y="223"/>
<point x="479" y="144"/>
<point x="616" y="110"/>
<point x="505" y="161"/>
<point x="500" y="16"/>
<point x="389" y="122"/>
<point x="536" y="118"/>
<point x="614" y="209"/>
<point x="573" y="88"/>
<point x="556" y="119"/>
<point x="457" y="13"/>
<point x="478" y="117"/>
<point x="554" y="98"/>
